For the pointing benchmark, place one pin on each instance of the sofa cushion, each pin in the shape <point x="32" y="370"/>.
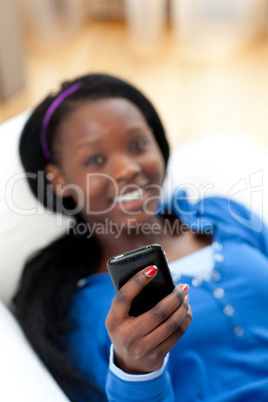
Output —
<point x="23" y="376"/>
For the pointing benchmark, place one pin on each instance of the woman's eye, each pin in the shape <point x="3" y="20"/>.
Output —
<point x="139" y="145"/>
<point x="94" y="160"/>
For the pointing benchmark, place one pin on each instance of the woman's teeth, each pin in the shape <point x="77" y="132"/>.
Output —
<point x="130" y="196"/>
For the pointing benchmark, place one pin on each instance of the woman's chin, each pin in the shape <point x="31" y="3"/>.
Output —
<point x="137" y="223"/>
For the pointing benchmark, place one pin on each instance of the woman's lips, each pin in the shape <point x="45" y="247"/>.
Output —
<point x="131" y="201"/>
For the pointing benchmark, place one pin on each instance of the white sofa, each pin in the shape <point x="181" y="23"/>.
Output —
<point x="23" y="376"/>
<point x="220" y="163"/>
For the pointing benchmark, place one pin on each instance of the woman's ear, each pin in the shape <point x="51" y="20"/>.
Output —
<point x="55" y="178"/>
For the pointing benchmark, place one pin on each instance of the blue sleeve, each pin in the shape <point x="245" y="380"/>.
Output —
<point x="158" y="389"/>
<point x="155" y="386"/>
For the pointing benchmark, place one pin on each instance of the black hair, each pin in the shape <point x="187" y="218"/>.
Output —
<point x="50" y="276"/>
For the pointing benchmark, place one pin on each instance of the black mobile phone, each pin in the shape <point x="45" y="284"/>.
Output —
<point x="123" y="266"/>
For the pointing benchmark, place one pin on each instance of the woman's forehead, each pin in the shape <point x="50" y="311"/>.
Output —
<point x="101" y="117"/>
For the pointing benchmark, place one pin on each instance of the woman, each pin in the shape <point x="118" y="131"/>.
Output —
<point x="103" y="152"/>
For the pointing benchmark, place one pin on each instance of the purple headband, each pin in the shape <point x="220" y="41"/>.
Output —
<point x="49" y="112"/>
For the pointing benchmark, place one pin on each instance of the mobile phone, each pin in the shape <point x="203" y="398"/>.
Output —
<point x="123" y="266"/>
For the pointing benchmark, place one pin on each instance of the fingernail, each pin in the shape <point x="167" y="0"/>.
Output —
<point x="187" y="297"/>
<point x="189" y="307"/>
<point x="151" y="271"/>
<point x="185" y="287"/>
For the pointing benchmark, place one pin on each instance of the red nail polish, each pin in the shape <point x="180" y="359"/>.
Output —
<point x="151" y="271"/>
<point x="187" y="297"/>
<point x="185" y="287"/>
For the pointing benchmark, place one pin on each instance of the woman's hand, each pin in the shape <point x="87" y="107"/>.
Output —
<point x="141" y="343"/>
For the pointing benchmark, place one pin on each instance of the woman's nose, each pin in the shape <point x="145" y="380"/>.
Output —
<point x="124" y="168"/>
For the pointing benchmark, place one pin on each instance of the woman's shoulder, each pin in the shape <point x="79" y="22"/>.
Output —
<point x="223" y="216"/>
<point x="215" y="209"/>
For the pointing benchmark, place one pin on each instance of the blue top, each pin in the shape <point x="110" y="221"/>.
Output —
<point x="223" y="355"/>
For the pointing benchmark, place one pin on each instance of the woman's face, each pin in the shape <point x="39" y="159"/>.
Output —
<point x="109" y="162"/>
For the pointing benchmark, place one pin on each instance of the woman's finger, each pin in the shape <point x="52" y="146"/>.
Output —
<point x="165" y="308"/>
<point x="175" y="335"/>
<point x="122" y="302"/>
<point x="176" y="323"/>
<point x="147" y="354"/>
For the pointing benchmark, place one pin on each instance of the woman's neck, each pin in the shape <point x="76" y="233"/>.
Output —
<point x="175" y="237"/>
<point x="161" y="230"/>
<point x="133" y="236"/>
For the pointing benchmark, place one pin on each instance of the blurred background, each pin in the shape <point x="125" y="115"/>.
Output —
<point x="203" y="63"/>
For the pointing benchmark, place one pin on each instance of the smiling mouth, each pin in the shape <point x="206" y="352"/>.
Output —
<point x="134" y="195"/>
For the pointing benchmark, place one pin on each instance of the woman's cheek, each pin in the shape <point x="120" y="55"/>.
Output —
<point x="156" y="170"/>
<point x="98" y="187"/>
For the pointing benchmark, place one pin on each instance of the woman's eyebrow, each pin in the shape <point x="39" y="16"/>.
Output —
<point x="137" y="130"/>
<point x="88" y="143"/>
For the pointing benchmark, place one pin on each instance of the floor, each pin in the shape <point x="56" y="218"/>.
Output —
<point x="193" y="94"/>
